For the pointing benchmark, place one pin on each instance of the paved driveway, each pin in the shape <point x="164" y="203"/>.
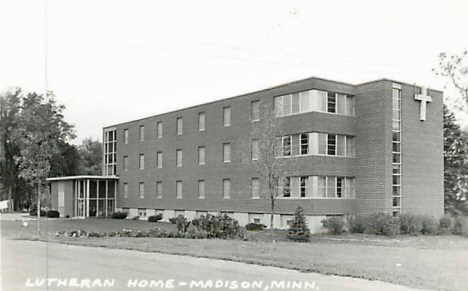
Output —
<point x="25" y="265"/>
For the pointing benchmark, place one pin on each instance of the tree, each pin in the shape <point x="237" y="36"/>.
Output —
<point x="263" y="147"/>
<point x="90" y="152"/>
<point x="66" y="162"/>
<point x="455" y="68"/>
<point x="455" y="166"/>
<point x="9" y="107"/>
<point x="298" y="230"/>
<point x="41" y="130"/>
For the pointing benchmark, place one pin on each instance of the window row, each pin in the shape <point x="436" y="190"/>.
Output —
<point x="316" y="144"/>
<point x="255" y="116"/>
<point x="179" y="158"/>
<point x="314" y="100"/>
<point x="226" y="189"/>
<point x="291" y="187"/>
<point x="317" y="187"/>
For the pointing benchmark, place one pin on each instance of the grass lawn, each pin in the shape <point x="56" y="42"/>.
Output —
<point x="431" y="262"/>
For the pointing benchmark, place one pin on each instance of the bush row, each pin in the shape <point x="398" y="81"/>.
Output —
<point x="404" y="224"/>
<point x="152" y="233"/>
<point x="50" y="213"/>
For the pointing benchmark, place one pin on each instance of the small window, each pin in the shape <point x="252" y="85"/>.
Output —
<point x="201" y="155"/>
<point x="180" y="125"/>
<point x="142" y="161"/>
<point x="331" y="145"/>
<point x="201" y="189"/>
<point x="142" y="133"/>
<point x="159" y="189"/>
<point x="125" y="163"/>
<point x="255" y="110"/>
<point x="303" y="186"/>
<point x="227" y="152"/>
<point x="331" y="102"/>
<point x="125" y="190"/>
<point x="226" y="188"/>
<point x="160" y="129"/>
<point x="201" y="121"/>
<point x="287" y="187"/>
<point x="304" y="143"/>
<point x="126" y="136"/>
<point x="255" y="188"/>
<point x="179" y="158"/>
<point x="159" y="160"/>
<point x="286" y="146"/>
<point x="179" y="189"/>
<point x="255" y="149"/>
<point x="227" y="116"/>
<point x="142" y="190"/>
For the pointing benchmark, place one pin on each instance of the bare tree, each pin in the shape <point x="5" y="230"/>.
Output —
<point x="262" y="151"/>
<point x="455" y="68"/>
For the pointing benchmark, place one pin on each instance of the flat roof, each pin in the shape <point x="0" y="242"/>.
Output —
<point x="260" y="91"/>
<point x="83" y="177"/>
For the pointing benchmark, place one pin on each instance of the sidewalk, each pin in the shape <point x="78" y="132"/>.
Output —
<point x="13" y="216"/>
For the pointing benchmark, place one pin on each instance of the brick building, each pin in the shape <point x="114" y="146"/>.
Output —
<point x="356" y="149"/>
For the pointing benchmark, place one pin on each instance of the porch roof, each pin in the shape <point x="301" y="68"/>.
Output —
<point x="83" y="177"/>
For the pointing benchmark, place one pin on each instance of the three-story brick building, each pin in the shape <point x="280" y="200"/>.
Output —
<point x="355" y="149"/>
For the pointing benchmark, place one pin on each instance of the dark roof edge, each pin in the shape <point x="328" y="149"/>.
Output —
<point x="259" y="91"/>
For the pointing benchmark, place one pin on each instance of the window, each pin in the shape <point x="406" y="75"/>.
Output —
<point x="350" y="146"/>
<point x="201" y="189"/>
<point x="227" y="152"/>
<point x="287" y="187"/>
<point x="142" y="190"/>
<point x="341" y="145"/>
<point x="331" y="102"/>
<point x="255" y="110"/>
<point x="304" y="144"/>
<point x="159" y="160"/>
<point x="286" y="146"/>
<point x="331" y="145"/>
<point x="159" y="129"/>
<point x="226" y="188"/>
<point x="110" y="152"/>
<point x="303" y="185"/>
<point x="125" y="163"/>
<point x="314" y="100"/>
<point x="179" y="189"/>
<point x="180" y="125"/>
<point x="126" y="136"/>
<point x="331" y="187"/>
<point x="227" y="116"/>
<point x="142" y="133"/>
<point x="125" y="190"/>
<point x="255" y="149"/>
<point x="142" y="161"/>
<point x="201" y="121"/>
<point x="179" y="158"/>
<point x="339" y="187"/>
<point x="255" y="183"/>
<point x="159" y="189"/>
<point x="201" y="155"/>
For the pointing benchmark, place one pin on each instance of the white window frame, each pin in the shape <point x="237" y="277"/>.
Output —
<point x="227" y="116"/>
<point x="159" y="160"/>
<point x="141" y="162"/>
<point x="226" y="188"/>
<point x="159" y="189"/>
<point x="125" y="136"/>
<point x="142" y="133"/>
<point x="141" y="190"/>
<point x="180" y="125"/>
<point x="201" y="121"/>
<point x="255" y="110"/>
<point x="179" y="189"/>
<point x="255" y="188"/>
<point x="201" y="189"/>
<point x="159" y="129"/>
<point x="201" y="155"/>
<point x="227" y="152"/>
<point x="179" y="158"/>
<point x="125" y="190"/>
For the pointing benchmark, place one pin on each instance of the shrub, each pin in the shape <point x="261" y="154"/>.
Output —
<point x="429" y="225"/>
<point x="33" y="212"/>
<point x="218" y="226"/>
<point x="53" y="214"/>
<point x="357" y="224"/>
<point x="255" y="226"/>
<point x="298" y="230"/>
<point x="119" y="215"/>
<point x="460" y="226"/>
<point x="333" y="224"/>
<point x="155" y="218"/>
<point x="410" y="224"/>
<point x="382" y="224"/>
<point x="445" y="225"/>
<point x="181" y="223"/>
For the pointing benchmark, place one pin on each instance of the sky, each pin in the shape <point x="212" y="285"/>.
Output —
<point x="114" y="61"/>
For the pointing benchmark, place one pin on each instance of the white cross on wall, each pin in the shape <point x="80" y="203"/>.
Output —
<point x="424" y="98"/>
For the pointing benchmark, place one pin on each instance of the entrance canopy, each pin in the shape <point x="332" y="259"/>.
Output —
<point x="84" y="196"/>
